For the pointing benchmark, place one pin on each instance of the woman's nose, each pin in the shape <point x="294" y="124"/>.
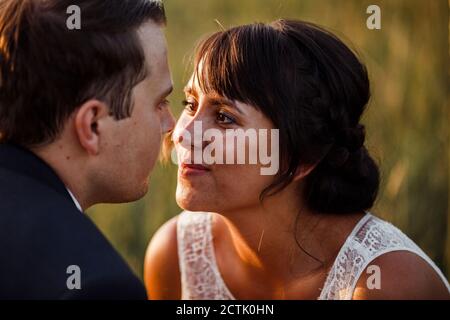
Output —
<point x="189" y="132"/>
<point x="181" y="134"/>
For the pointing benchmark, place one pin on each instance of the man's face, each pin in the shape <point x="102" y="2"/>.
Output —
<point x="131" y="148"/>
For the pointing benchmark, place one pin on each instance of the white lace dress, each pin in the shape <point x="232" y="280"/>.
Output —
<point x="371" y="237"/>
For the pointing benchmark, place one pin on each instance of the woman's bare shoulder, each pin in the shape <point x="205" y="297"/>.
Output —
<point x="400" y="275"/>
<point x="161" y="269"/>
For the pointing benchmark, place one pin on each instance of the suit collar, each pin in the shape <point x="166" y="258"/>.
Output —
<point x="23" y="161"/>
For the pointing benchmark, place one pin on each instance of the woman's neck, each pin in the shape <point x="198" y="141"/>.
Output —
<point x="280" y="242"/>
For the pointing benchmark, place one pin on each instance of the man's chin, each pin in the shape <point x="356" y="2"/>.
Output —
<point x="127" y="196"/>
<point x="141" y="192"/>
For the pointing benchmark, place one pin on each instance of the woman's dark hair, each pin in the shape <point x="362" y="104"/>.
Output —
<point x="47" y="70"/>
<point x="314" y="89"/>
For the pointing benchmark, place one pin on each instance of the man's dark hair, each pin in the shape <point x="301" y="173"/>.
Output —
<point x="47" y="70"/>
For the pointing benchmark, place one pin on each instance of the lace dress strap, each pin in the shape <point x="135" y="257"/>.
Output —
<point x="200" y="276"/>
<point x="371" y="238"/>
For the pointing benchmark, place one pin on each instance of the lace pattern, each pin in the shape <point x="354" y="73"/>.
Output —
<point x="371" y="237"/>
<point x="200" y="277"/>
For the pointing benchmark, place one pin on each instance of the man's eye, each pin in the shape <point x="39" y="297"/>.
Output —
<point x="164" y="104"/>
<point x="223" y="118"/>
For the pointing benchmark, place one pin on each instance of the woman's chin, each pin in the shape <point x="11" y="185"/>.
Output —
<point x="190" y="205"/>
<point x="192" y="202"/>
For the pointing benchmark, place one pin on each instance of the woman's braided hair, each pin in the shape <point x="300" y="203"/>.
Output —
<point x="315" y="90"/>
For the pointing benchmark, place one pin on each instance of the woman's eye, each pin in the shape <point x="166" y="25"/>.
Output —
<point x="223" y="118"/>
<point x="188" y="106"/>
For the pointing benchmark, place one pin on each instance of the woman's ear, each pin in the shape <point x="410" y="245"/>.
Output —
<point x="303" y="171"/>
<point x="86" y="124"/>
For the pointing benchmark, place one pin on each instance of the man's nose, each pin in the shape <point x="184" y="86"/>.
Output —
<point x="168" y="123"/>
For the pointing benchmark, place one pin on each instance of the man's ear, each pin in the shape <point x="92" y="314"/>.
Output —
<point x="86" y="124"/>
<point x="303" y="171"/>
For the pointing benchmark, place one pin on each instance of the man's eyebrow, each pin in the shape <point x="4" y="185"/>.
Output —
<point x="167" y="92"/>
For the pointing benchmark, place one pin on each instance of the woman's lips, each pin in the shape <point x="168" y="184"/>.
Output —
<point x="193" y="169"/>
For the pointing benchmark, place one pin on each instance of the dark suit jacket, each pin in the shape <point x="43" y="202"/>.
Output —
<point x="42" y="233"/>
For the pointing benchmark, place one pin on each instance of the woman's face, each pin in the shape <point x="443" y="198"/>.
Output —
<point x="209" y="185"/>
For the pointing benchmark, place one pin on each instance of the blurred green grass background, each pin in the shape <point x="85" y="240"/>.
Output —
<point x="407" y="120"/>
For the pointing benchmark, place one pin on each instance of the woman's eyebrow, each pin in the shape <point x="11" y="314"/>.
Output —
<point x="222" y="100"/>
<point x="190" y="90"/>
<point x="214" y="99"/>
